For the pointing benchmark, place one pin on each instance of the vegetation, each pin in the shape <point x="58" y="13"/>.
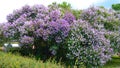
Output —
<point x="114" y="63"/>
<point x="8" y="60"/>
<point x="88" y="37"/>
<point x="116" y="7"/>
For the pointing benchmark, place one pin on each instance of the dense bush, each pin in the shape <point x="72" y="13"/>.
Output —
<point x="2" y="38"/>
<point x="88" y="44"/>
<point x="37" y="25"/>
<point x="106" y="21"/>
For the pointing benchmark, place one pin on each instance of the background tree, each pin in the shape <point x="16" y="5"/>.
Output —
<point x="116" y="7"/>
<point x="66" y="8"/>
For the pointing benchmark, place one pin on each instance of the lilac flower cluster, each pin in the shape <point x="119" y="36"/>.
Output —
<point x="37" y="21"/>
<point x="27" y="40"/>
<point x="69" y="17"/>
<point x="100" y="18"/>
<point x="59" y="29"/>
<point x="9" y="31"/>
<point x="55" y="15"/>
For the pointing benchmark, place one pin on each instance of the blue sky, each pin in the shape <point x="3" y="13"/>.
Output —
<point x="7" y="6"/>
<point x="108" y="3"/>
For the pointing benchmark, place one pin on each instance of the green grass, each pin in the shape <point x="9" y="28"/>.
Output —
<point x="114" y="63"/>
<point x="8" y="60"/>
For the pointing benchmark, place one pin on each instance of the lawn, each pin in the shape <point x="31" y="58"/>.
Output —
<point x="8" y="60"/>
<point x="114" y="63"/>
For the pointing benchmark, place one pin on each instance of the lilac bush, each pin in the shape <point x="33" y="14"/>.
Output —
<point x="88" y="46"/>
<point x="90" y="39"/>
<point x="38" y="25"/>
<point x="105" y="20"/>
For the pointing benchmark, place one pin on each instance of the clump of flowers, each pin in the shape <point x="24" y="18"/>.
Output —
<point x="27" y="40"/>
<point x="59" y="29"/>
<point x="69" y="17"/>
<point x="100" y="18"/>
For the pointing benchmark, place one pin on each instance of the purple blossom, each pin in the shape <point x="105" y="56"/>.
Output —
<point x="69" y="17"/>
<point x="55" y="14"/>
<point x="59" y="28"/>
<point x="27" y="40"/>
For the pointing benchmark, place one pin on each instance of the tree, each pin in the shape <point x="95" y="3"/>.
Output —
<point x="116" y="7"/>
<point x="66" y="8"/>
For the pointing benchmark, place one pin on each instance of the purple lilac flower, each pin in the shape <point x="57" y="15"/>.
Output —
<point x="55" y="14"/>
<point x="69" y="17"/>
<point x="27" y="40"/>
<point x="59" y="28"/>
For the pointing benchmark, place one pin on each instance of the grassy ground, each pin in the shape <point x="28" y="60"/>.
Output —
<point x="1" y="48"/>
<point x="114" y="63"/>
<point x="8" y="60"/>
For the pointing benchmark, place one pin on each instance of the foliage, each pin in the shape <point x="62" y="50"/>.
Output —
<point x="76" y="13"/>
<point x="21" y="62"/>
<point x="65" y="5"/>
<point x="13" y="61"/>
<point x="114" y="63"/>
<point x="116" y="6"/>
<point x="66" y="8"/>
<point x="2" y="38"/>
